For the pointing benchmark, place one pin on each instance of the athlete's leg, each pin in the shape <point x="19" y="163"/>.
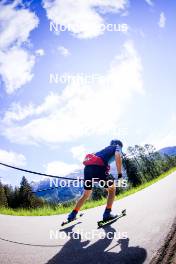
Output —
<point x="79" y="204"/>
<point x="86" y="194"/>
<point x="82" y="199"/>
<point x="111" y="196"/>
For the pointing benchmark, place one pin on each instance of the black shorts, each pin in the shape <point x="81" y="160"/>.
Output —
<point x="99" y="174"/>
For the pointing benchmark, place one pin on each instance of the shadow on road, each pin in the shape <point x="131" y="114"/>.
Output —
<point x="76" y="251"/>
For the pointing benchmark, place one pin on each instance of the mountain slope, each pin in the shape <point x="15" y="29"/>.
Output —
<point x="171" y="151"/>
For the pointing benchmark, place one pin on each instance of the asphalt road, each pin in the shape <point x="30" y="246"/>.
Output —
<point x="132" y="239"/>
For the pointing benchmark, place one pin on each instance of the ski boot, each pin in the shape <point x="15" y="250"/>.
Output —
<point x="72" y="216"/>
<point x="108" y="215"/>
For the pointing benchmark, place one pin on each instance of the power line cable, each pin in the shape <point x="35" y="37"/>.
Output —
<point x="39" y="173"/>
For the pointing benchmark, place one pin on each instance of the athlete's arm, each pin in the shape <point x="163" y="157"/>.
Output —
<point x="118" y="161"/>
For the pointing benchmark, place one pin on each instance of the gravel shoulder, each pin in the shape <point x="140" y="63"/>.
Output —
<point x="167" y="253"/>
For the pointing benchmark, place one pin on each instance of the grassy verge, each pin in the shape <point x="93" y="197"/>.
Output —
<point x="60" y="209"/>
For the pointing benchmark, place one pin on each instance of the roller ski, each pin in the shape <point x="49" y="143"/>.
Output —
<point x="109" y="218"/>
<point x="72" y="217"/>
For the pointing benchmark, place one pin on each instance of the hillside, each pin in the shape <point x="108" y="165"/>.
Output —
<point x="171" y="151"/>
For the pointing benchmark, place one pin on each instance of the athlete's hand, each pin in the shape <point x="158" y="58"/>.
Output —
<point x="119" y="175"/>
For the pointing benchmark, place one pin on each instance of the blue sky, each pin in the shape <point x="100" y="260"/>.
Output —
<point x="49" y="127"/>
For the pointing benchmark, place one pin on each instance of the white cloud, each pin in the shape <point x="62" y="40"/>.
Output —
<point x="150" y="2"/>
<point x="82" y="18"/>
<point x="15" y="67"/>
<point x="78" y="152"/>
<point x="80" y="110"/>
<point x="4" y="181"/>
<point x="16" y="112"/>
<point x="16" y="63"/>
<point x="40" y="52"/>
<point x="166" y="138"/>
<point x="12" y="158"/>
<point x="16" y="25"/>
<point x="60" y="168"/>
<point x="63" y="51"/>
<point x="162" y="20"/>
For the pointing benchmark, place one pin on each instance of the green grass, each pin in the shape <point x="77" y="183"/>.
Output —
<point x="60" y="209"/>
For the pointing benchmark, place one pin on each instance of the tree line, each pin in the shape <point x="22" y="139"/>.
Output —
<point x="19" y="197"/>
<point x="144" y="163"/>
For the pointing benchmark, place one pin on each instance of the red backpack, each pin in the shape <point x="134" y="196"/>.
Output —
<point x="92" y="159"/>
